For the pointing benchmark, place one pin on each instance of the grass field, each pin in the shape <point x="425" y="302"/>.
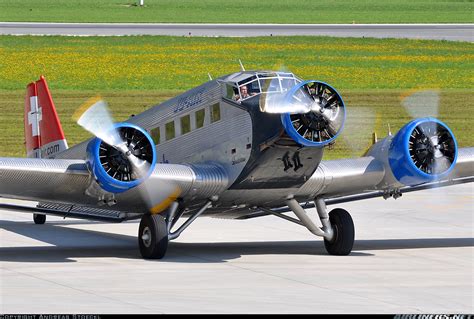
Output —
<point x="243" y="11"/>
<point x="133" y="73"/>
<point x="180" y="63"/>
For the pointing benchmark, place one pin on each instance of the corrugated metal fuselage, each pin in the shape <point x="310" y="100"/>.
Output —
<point x="251" y="145"/>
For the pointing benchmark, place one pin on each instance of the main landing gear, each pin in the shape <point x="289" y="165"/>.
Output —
<point x="344" y="233"/>
<point x="155" y="230"/>
<point x="153" y="236"/>
<point x="337" y="226"/>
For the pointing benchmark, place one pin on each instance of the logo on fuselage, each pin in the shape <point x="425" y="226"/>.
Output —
<point x="189" y="101"/>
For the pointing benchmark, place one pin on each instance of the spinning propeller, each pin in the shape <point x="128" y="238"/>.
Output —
<point x="362" y="121"/>
<point x="432" y="146"/>
<point x="123" y="156"/>
<point x="124" y="151"/>
<point x="320" y="111"/>
<point x="313" y="113"/>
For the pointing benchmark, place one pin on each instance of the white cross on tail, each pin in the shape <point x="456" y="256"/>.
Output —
<point x="35" y="116"/>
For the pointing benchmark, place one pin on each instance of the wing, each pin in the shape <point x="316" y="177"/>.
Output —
<point x="347" y="180"/>
<point x="69" y="183"/>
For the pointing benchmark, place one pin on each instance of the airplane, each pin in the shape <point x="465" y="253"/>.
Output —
<point x="241" y="146"/>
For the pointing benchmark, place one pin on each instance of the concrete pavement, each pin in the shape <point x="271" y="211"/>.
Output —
<point x="452" y="32"/>
<point x="412" y="255"/>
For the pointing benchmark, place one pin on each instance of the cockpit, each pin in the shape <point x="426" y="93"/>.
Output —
<point x="245" y="85"/>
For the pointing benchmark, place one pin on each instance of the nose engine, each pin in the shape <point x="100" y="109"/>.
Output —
<point x="315" y="113"/>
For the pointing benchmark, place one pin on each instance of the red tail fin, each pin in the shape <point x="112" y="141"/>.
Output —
<point x="43" y="132"/>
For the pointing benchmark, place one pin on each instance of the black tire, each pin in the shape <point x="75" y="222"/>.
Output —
<point x="39" y="219"/>
<point x="155" y="245"/>
<point x="344" y="233"/>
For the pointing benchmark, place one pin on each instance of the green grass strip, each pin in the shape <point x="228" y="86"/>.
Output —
<point x="242" y="11"/>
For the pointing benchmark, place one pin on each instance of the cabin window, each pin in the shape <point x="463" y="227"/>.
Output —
<point x="215" y="113"/>
<point x="230" y="92"/>
<point x="169" y="130"/>
<point x="155" y="135"/>
<point x="200" y="115"/>
<point x="185" y="124"/>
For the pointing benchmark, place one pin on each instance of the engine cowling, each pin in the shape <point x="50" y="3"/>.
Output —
<point x="424" y="150"/>
<point x="323" y="117"/>
<point x="111" y="168"/>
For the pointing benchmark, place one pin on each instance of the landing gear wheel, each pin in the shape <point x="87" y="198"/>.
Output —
<point x="153" y="236"/>
<point x="343" y="240"/>
<point x="39" y="219"/>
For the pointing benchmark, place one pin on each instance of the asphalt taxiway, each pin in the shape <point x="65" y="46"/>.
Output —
<point x="412" y="255"/>
<point x="451" y="32"/>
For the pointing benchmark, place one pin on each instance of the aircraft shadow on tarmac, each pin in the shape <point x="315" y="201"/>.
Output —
<point x="68" y="243"/>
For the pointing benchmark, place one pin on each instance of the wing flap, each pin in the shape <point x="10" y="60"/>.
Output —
<point x="70" y="211"/>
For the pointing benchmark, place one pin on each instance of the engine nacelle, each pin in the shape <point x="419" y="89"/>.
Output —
<point x="111" y="168"/>
<point x="320" y="117"/>
<point x="424" y="150"/>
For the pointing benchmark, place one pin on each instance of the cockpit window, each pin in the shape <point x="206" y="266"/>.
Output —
<point x="231" y="91"/>
<point x="270" y="85"/>
<point x="260" y="82"/>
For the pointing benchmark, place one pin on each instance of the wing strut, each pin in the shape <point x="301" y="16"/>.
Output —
<point x="171" y="219"/>
<point x="281" y="215"/>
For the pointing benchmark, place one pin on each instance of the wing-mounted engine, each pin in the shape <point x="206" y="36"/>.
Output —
<point x="316" y="113"/>
<point x="424" y="150"/>
<point x="124" y="165"/>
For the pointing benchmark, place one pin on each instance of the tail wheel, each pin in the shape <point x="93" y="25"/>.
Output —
<point x="153" y="236"/>
<point x="344" y="233"/>
<point x="39" y="219"/>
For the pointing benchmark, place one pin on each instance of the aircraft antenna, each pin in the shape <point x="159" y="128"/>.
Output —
<point x="209" y="75"/>
<point x="241" y="66"/>
<point x="374" y="138"/>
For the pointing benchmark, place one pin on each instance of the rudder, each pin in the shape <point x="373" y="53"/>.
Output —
<point x="44" y="136"/>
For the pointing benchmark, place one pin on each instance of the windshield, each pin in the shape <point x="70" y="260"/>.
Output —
<point x="260" y="82"/>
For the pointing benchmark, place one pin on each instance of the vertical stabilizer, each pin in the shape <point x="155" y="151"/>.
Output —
<point x="44" y="137"/>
